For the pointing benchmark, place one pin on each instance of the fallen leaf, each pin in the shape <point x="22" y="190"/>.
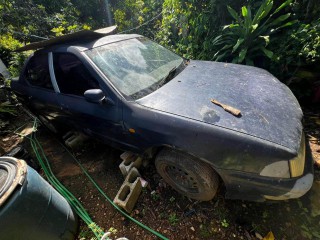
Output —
<point x="269" y="236"/>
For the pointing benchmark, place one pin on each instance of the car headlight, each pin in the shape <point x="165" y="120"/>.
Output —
<point x="285" y="169"/>
<point x="297" y="163"/>
<point x="278" y="169"/>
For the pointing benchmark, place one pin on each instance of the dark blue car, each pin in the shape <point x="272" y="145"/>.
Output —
<point x="136" y="95"/>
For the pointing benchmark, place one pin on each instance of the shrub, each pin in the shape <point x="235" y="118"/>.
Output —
<point x="250" y="35"/>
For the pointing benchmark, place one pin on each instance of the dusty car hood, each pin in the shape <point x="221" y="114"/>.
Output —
<point x="269" y="109"/>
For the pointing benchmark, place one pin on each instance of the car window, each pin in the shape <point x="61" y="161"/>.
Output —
<point x="136" y="67"/>
<point x="71" y="75"/>
<point x="37" y="72"/>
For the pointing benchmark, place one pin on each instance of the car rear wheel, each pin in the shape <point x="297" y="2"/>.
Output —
<point x="187" y="175"/>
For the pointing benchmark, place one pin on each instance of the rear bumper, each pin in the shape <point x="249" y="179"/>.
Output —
<point x="252" y="187"/>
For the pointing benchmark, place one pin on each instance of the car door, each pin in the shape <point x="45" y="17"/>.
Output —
<point x="40" y="96"/>
<point x="101" y="120"/>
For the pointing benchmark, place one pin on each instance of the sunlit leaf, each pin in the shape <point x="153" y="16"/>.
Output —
<point x="242" y="54"/>
<point x="286" y="3"/>
<point x="269" y="236"/>
<point x="244" y="11"/>
<point x="266" y="11"/>
<point x="240" y="40"/>
<point x="280" y="19"/>
<point x="266" y="39"/>
<point x="254" y="27"/>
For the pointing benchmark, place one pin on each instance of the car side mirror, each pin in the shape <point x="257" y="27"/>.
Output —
<point x="94" y="95"/>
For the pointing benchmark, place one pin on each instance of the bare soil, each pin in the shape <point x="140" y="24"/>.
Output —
<point x="164" y="210"/>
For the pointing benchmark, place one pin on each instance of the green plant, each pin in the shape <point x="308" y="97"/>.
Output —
<point x="249" y="36"/>
<point x="300" y="46"/>
<point x="297" y="57"/>
<point x="189" y="27"/>
<point x="173" y="219"/>
<point x="224" y="223"/>
<point x="8" y="108"/>
<point x="12" y="59"/>
<point x="155" y="196"/>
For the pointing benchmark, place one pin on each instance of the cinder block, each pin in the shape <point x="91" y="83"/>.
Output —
<point x="127" y="155"/>
<point x="73" y="139"/>
<point x="130" y="161"/>
<point x="129" y="192"/>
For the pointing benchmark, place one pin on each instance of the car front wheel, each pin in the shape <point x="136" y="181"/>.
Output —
<point x="187" y="175"/>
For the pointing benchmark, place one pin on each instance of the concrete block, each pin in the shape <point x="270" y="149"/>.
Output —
<point x="74" y="139"/>
<point x="127" y="155"/>
<point x="129" y="192"/>
<point x="130" y="161"/>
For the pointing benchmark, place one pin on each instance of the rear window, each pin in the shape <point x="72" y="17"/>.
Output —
<point x="37" y="72"/>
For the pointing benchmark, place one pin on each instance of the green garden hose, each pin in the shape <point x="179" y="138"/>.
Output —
<point x="44" y="163"/>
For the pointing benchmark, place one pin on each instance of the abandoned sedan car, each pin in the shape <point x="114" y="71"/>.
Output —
<point x="204" y="123"/>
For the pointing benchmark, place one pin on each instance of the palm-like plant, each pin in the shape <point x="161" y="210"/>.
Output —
<point x="249" y="36"/>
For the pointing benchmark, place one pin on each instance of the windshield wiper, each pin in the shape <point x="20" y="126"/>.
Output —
<point x="167" y="78"/>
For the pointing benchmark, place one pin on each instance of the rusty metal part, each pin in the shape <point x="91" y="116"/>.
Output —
<point x="227" y="108"/>
<point x="83" y="34"/>
<point x="18" y="179"/>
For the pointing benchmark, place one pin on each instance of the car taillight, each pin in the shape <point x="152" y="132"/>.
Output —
<point x="297" y="163"/>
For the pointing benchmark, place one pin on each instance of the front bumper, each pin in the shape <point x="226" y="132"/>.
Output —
<point x="253" y="187"/>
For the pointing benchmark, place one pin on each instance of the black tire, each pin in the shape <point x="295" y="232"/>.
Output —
<point x="187" y="175"/>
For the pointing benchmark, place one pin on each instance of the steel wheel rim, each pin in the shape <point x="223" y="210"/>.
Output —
<point x="182" y="178"/>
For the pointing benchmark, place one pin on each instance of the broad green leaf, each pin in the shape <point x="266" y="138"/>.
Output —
<point x="240" y="40"/>
<point x="280" y="19"/>
<point x="259" y="12"/>
<point x="266" y="11"/>
<point x="249" y="14"/>
<point x="217" y="40"/>
<point x="233" y="13"/>
<point x="267" y="52"/>
<point x="286" y="3"/>
<point x="286" y="25"/>
<point x="242" y="55"/>
<point x="247" y="20"/>
<point x="244" y="11"/>
<point x="226" y="47"/>
<point x="219" y="55"/>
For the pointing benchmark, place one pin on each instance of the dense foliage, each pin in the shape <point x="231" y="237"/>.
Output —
<point x="249" y="36"/>
<point x="24" y="21"/>
<point x="280" y="36"/>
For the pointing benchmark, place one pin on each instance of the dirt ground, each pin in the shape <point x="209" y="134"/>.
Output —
<point x="164" y="210"/>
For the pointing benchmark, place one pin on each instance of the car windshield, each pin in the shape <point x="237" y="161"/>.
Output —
<point x="136" y="67"/>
